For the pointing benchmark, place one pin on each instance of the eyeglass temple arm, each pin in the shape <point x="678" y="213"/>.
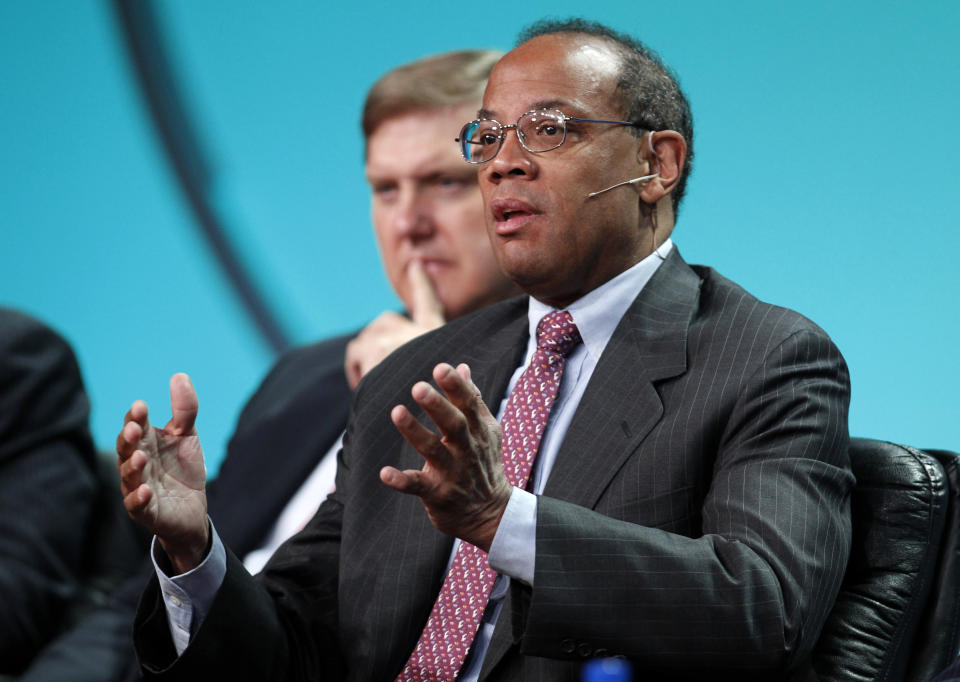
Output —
<point x="597" y="120"/>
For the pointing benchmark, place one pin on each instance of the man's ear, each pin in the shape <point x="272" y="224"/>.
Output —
<point x="666" y="159"/>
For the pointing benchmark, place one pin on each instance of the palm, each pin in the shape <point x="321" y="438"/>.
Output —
<point x="176" y="475"/>
<point x="162" y="475"/>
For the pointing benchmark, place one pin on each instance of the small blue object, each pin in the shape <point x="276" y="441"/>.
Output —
<point x="607" y="670"/>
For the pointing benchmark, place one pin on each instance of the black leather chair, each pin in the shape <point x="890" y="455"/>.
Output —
<point x="897" y="616"/>
<point x="937" y="641"/>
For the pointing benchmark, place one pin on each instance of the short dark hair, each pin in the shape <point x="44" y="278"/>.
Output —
<point x="650" y="91"/>
<point x="434" y="82"/>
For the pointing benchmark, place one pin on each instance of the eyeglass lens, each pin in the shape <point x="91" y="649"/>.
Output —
<point x="539" y="131"/>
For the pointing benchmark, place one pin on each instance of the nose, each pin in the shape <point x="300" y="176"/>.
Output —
<point x="413" y="216"/>
<point x="512" y="161"/>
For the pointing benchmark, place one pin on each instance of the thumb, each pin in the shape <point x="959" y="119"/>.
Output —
<point x="426" y="308"/>
<point x="183" y="405"/>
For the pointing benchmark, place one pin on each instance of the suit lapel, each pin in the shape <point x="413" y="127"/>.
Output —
<point x="495" y="360"/>
<point x="621" y="403"/>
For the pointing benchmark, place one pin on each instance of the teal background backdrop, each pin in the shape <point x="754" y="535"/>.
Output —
<point x="826" y="181"/>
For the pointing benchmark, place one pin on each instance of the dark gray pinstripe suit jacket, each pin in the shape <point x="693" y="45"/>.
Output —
<point x="696" y="520"/>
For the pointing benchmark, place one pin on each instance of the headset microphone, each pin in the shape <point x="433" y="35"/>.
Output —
<point x="642" y="178"/>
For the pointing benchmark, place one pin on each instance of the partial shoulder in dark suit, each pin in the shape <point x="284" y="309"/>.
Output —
<point x="46" y="485"/>
<point x="696" y="519"/>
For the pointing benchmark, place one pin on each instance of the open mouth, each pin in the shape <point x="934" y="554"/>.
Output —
<point x="511" y="210"/>
<point x="503" y="216"/>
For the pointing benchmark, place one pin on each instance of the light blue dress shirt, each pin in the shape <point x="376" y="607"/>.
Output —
<point x="188" y="597"/>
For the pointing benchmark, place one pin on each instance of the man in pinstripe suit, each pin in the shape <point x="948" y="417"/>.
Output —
<point x="689" y="504"/>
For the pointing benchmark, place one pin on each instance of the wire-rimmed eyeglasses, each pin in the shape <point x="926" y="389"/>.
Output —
<point x="539" y="130"/>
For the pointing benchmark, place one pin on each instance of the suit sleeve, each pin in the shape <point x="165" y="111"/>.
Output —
<point x="281" y="624"/>
<point x="748" y="593"/>
<point x="100" y="647"/>
<point x="278" y="626"/>
<point x="47" y="485"/>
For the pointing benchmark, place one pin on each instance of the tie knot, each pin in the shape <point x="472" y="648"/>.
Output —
<point x="557" y="333"/>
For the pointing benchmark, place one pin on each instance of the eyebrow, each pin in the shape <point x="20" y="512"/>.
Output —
<point x="440" y="174"/>
<point x="542" y="104"/>
<point x="429" y="175"/>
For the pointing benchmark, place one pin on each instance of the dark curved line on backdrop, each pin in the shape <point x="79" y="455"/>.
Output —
<point x="143" y="37"/>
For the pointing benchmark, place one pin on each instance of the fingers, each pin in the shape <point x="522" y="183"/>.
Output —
<point x="364" y="352"/>
<point x="131" y="472"/>
<point x="353" y="369"/>
<point x="409" y="481"/>
<point x="135" y="424"/>
<point x="462" y="418"/>
<point x="136" y="493"/>
<point x="128" y="438"/>
<point x="462" y="392"/>
<point x="384" y="324"/>
<point x="131" y="460"/>
<point x="420" y="437"/>
<point x="455" y="424"/>
<point x="138" y="499"/>
<point x="462" y="484"/>
<point x="138" y="412"/>
<point x="459" y="413"/>
<point x="183" y="406"/>
<point x="378" y="339"/>
<point x="426" y="307"/>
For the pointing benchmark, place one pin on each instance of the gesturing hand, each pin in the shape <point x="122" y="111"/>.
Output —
<point x="162" y="476"/>
<point x="462" y="483"/>
<point x="391" y="330"/>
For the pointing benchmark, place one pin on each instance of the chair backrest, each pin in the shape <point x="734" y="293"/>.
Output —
<point x="937" y="641"/>
<point x="899" y="508"/>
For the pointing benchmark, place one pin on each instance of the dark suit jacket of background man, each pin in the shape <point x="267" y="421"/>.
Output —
<point x="284" y="430"/>
<point x="47" y="485"/>
<point x="696" y="518"/>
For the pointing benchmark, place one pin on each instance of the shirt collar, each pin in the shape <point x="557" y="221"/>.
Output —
<point x="598" y="312"/>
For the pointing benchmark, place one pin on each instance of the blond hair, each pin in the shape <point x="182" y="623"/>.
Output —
<point x="434" y="82"/>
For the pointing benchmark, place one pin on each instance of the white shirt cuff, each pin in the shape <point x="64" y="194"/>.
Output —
<point x="514" y="547"/>
<point x="188" y="596"/>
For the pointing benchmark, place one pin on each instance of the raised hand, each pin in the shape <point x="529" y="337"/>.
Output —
<point x="462" y="483"/>
<point x="391" y="330"/>
<point x="163" y="478"/>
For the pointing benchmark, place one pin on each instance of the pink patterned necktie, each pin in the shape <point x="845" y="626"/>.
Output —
<point x="456" y="614"/>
